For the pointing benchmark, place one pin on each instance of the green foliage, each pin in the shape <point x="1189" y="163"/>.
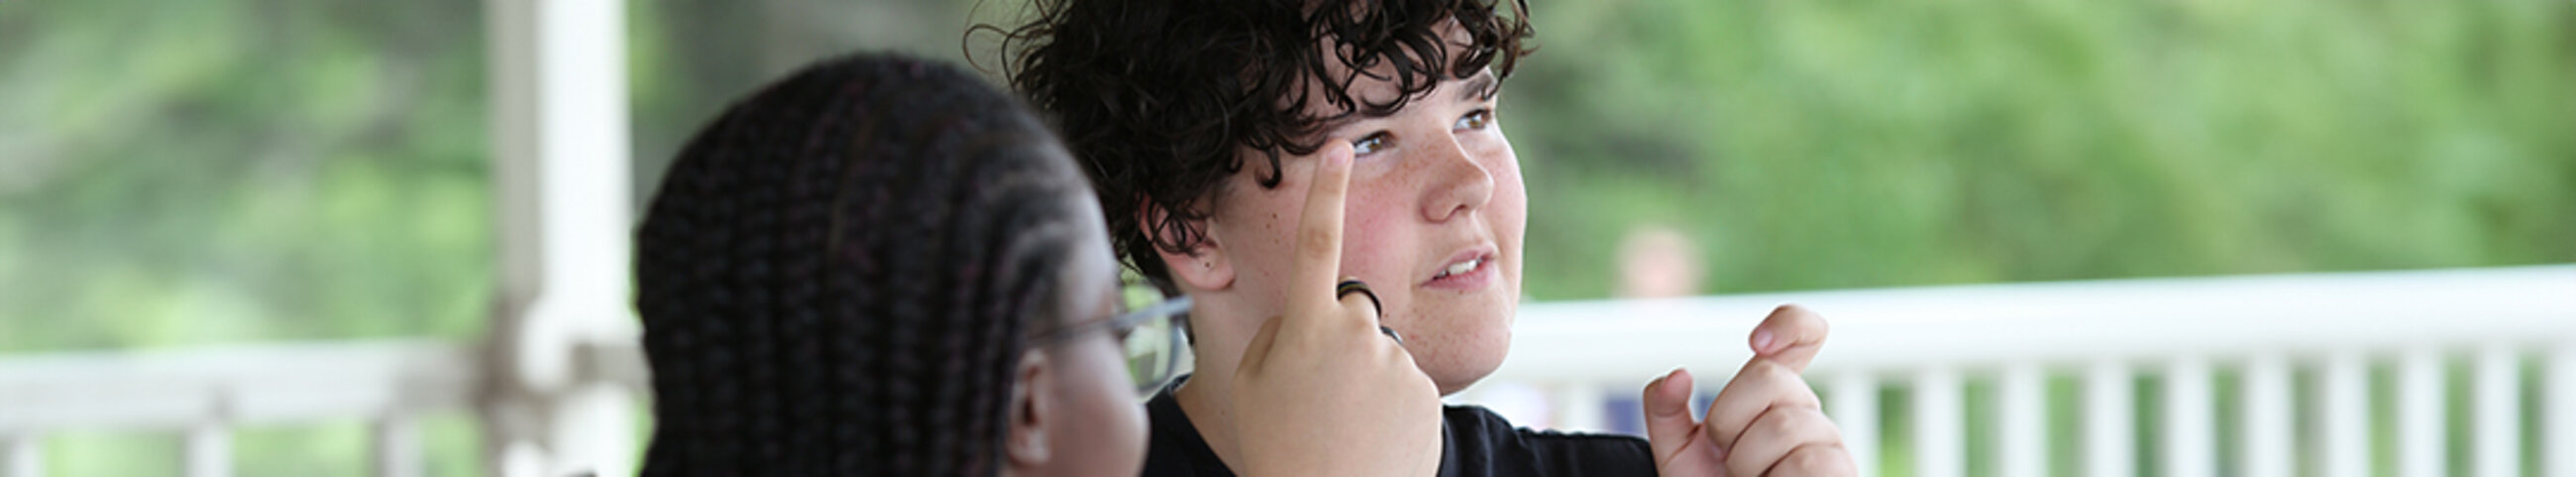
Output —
<point x="1871" y="143"/>
<point x="245" y="170"/>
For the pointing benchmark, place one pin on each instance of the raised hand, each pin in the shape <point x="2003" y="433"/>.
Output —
<point x="1766" y="422"/>
<point x="1320" y="392"/>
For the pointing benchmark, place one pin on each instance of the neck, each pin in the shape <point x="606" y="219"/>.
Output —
<point x="1208" y="397"/>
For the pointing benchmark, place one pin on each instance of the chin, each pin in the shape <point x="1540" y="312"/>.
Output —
<point x="1473" y="344"/>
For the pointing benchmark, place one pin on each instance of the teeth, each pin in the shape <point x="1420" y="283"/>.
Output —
<point x="1461" y="267"/>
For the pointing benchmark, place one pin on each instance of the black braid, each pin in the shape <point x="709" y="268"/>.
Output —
<point x="838" y="275"/>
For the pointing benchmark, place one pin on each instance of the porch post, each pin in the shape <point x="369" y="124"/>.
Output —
<point x="561" y="160"/>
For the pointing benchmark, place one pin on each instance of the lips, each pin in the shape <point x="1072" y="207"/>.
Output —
<point x="1460" y="268"/>
<point x="1466" y="270"/>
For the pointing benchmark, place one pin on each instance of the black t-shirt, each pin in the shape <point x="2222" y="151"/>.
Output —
<point x="1475" y="442"/>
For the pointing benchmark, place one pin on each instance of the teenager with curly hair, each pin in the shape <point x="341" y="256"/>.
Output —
<point x="1209" y="127"/>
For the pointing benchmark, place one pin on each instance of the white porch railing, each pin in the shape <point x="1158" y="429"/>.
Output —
<point x="2194" y="336"/>
<point x="2267" y="331"/>
<point x="205" y="394"/>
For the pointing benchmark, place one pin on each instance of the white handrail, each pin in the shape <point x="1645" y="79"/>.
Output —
<point x="256" y="384"/>
<point x="2065" y="323"/>
<point x="2113" y="332"/>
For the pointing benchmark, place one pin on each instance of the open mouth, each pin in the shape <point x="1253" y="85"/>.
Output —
<point x="1460" y="268"/>
<point x="1468" y="270"/>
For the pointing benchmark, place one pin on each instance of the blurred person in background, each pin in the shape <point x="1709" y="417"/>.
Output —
<point x="1658" y="261"/>
<point x="1212" y="127"/>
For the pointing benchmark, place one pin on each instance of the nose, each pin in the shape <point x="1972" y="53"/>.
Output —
<point x="1459" y="184"/>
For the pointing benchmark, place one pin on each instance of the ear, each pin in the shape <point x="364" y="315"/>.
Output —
<point x="1025" y="447"/>
<point x="1204" y="267"/>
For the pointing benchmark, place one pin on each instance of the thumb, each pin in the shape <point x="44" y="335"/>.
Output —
<point x="1669" y="427"/>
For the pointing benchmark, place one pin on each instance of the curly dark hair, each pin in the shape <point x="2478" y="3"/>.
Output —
<point x="839" y="274"/>
<point x="1157" y="97"/>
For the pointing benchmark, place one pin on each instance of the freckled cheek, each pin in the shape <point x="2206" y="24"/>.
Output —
<point x="1371" y="242"/>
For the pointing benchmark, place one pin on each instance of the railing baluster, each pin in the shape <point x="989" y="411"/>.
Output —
<point x="2420" y="431"/>
<point x="2189" y="440"/>
<point x="2108" y="412"/>
<point x="2498" y="395"/>
<point x="209" y="450"/>
<point x="1939" y="429"/>
<point x="1854" y="408"/>
<point x="19" y="452"/>
<point x="2344" y="407"/>
<point x="2267" y="417"/>
<point x="397" y="446"/>
<point x="2559" y="440"/>
<point x="2023" y="405"/>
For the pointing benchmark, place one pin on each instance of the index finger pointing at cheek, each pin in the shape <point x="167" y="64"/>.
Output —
<point x="1319" y="236"/>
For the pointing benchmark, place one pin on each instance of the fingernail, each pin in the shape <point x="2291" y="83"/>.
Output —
<point x="1761" y="341"/>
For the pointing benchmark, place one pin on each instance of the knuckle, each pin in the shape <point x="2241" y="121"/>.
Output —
<point x="1768" y="371"/>
<point x="1318" y="240"/>
<point x="1780" y="424"/>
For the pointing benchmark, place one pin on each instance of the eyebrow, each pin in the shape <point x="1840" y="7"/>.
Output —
<point x="1479" y="88"/>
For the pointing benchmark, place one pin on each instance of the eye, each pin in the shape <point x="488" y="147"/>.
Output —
<point x="1475" y="120"/>
<point x="1371" y="143"/>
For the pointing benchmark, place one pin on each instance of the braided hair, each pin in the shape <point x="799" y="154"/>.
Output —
<point x="839" y="274"/>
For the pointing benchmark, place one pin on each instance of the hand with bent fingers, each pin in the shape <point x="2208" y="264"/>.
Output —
<point x="1320" y="391"/>
<point x="1766" y="422"/>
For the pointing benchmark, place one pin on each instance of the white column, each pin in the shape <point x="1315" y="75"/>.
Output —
<point x="1853" y="405"/>
<point x="2268" y="417"/>
<point x="2421" y="434"/>
<point x="594" y="431"/>
<point x="561" y="152"/>
<point x="2190" y="437"/>
<point x="2109" y="410"/>
<point x="2022" y="404"/>
<point x="2497" y="389"/>
<point x="2343" y="395"/>
<point x="1940" y="431"/>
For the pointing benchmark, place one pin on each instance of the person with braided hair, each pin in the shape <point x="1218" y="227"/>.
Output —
<point x="883" y="266"/>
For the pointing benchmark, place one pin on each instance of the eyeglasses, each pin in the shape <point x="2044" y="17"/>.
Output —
<point x="1150" y="337"/>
